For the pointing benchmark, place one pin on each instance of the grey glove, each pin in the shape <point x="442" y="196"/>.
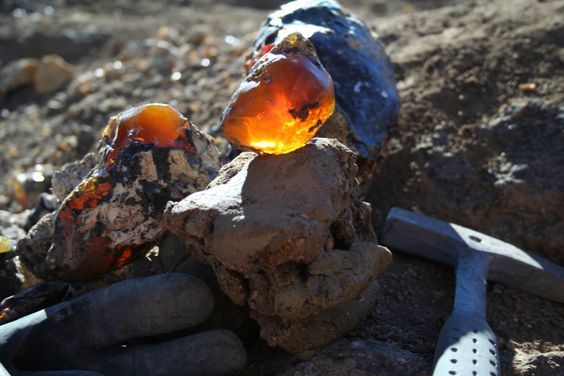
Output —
<point x="113" y="331"/>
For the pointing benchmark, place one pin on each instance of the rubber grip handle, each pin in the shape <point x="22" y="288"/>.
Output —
<point x="466" y="347"/>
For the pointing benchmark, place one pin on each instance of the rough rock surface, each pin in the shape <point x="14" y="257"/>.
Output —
<point x="549" y="363"/>
<point x="289" y="236"/>
<point x="52" y="73"/>
<point x="17" y="74"/>
<point x="143" y="180"/>
<point x="71" y="174"/>
<point x="33" y="249"/>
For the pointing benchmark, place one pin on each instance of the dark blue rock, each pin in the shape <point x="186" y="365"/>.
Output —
<point x="365" y="87"/>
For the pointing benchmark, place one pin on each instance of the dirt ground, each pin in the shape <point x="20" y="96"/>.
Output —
<point x="480" y="141"/>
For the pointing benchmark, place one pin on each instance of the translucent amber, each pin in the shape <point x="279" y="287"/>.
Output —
<point x="94" y="258"/>
<point x="285" y="98"/>
<point x="155" y="123"/>
<point x="88" y="253"/>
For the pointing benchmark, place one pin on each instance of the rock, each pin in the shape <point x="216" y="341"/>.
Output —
<point x="365" y="89"/>
<point x="33" y="248"/>
<point x="174" y="257"/>
<point x="286" y="88"/>
<point x="289" y="236"/>
<point x="550" y="363"/>
<point x="18" y="74"/>
<point x="71" y="174"/>
<point x="148" y="155"/>
<point x="53" y="73"/>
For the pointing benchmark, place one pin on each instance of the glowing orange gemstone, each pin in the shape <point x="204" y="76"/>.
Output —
<point x="87" y="195"/>
<point x="86" y="251"/>
<point x="283" y="101"/>
<point x="155" y="123"/>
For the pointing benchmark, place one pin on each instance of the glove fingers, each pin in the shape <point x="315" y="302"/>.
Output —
<point x="130" y="309"/>
<point x="215" y="352"/>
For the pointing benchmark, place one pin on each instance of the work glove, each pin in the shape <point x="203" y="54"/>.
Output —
<point x="127" y="328"/>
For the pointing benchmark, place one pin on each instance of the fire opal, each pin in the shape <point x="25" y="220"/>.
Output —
<point x="148" y="155"/>
<point x="282" y="102"/>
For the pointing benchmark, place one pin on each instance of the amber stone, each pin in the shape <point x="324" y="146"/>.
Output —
<point x="155" y="123"/>
<point x="282" y="102"/>
<point x="86" y="253"/>
<point x="88" y="195"/>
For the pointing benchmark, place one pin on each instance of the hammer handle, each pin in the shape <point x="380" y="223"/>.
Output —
<point x="467" y="344"/>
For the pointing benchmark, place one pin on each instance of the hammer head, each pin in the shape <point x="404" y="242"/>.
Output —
<point x="448" y="243"/>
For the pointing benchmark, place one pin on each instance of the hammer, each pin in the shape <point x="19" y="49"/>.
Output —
<point x="467" y="344"/>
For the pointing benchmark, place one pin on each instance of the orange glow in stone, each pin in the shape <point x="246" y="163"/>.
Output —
<point x="89" y="194"/>
<point x="157" y="124"/>
<point x="283" y="101"/>
<point x="154" y="123"/>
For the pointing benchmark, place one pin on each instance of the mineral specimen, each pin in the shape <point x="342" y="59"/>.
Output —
<point x="365" y="89"/>
<point x="283" y="101"/>
<point x="289" y="236"/>
<point x="148" y="155"/>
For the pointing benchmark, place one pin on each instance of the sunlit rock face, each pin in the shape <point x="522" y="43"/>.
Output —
<point x="290" y="237"/>
<point x="148" y="155"/>
<point x="285" y="98"/>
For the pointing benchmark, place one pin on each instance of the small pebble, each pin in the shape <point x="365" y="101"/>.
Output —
<point x="5" y="244"/>
<point x="529" y="88"/>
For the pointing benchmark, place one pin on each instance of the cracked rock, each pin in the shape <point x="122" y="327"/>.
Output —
<point x="288" y="236"/>
<point x="148" y="155"/>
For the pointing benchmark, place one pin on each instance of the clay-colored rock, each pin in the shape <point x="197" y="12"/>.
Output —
<point x="289" y="236"/>
<point x="33" y="248"/>
<point x="17" y="74"/>
<point x="71" y="174"/>
<point x="53" y="73"/>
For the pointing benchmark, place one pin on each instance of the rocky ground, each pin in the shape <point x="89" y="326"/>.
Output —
<point x="480" y="140"/>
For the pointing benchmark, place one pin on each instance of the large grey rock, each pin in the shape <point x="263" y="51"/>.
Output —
<point x="289" y="236"/>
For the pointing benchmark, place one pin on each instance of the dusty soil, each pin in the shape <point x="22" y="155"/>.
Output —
<point x="480" y="141"/>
